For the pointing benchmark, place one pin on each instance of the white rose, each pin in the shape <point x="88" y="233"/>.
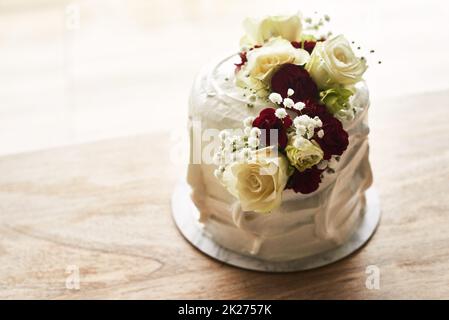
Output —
<point x="258" y="183"/>
<point x="258" y="31"/>
<point x="263" y="61"/>
<point x="333" y="62"/>
<point x="304" y="156"/>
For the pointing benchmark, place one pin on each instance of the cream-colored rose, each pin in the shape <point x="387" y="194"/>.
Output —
<point x="305" y="156"/>
<point x="258" y="183"/>
<point x="262" y="62"/>
<point x="258" y="31"/>
<point x="333" y="62"/>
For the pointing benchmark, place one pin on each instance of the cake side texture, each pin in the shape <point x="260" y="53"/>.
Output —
<point x="304" y="224"/>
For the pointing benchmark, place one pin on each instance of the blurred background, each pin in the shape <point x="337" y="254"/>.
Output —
<point x="79" y="71"/>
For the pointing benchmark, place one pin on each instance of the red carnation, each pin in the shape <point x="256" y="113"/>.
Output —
<point x="306" y="45"/>
<point x="267" y="121"/>
<point x="294" y="77"/>
<point x="306" y="181"/>
<point x="313" y="108"/>
<point x="335" y="139"/>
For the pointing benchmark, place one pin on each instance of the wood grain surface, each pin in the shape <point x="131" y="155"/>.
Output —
<point x="104" y="208"/>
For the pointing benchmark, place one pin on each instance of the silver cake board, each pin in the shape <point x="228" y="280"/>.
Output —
<point x="185" y="219"/>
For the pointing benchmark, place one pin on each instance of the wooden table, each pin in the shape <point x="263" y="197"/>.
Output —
<point x="104" y="208"/>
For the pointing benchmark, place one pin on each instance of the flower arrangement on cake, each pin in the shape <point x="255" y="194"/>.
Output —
<point x="279" y="167"/>
<point x="308" y="83"/>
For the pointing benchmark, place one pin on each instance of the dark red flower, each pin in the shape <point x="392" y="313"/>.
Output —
<point x="306" y="181"/>
<point x="313" y="108"/>
<point x="335" y="139"/>
<point x="306" y="45"/>
<point x="297" y="44"/>
<point x="267" y="121"/>
<point x="243" y="60"/>
<point x="294" y="77"/>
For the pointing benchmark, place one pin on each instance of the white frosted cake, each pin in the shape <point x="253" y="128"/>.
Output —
<point x="296" y="191"/>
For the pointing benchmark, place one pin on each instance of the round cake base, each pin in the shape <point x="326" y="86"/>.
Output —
<point x="184" y="217"/>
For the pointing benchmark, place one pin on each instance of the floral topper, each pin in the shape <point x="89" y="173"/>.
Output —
<point x="308" y="83"/>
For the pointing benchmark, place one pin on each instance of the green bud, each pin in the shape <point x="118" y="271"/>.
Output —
<point x="336" y="99"/>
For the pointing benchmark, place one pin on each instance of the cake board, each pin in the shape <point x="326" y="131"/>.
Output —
<point x="190" y="228"/>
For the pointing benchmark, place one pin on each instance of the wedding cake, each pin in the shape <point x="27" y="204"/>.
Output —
<point x="278" y="142"/>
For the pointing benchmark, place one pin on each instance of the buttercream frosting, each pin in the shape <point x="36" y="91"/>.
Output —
<point x="304" y="224"/>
